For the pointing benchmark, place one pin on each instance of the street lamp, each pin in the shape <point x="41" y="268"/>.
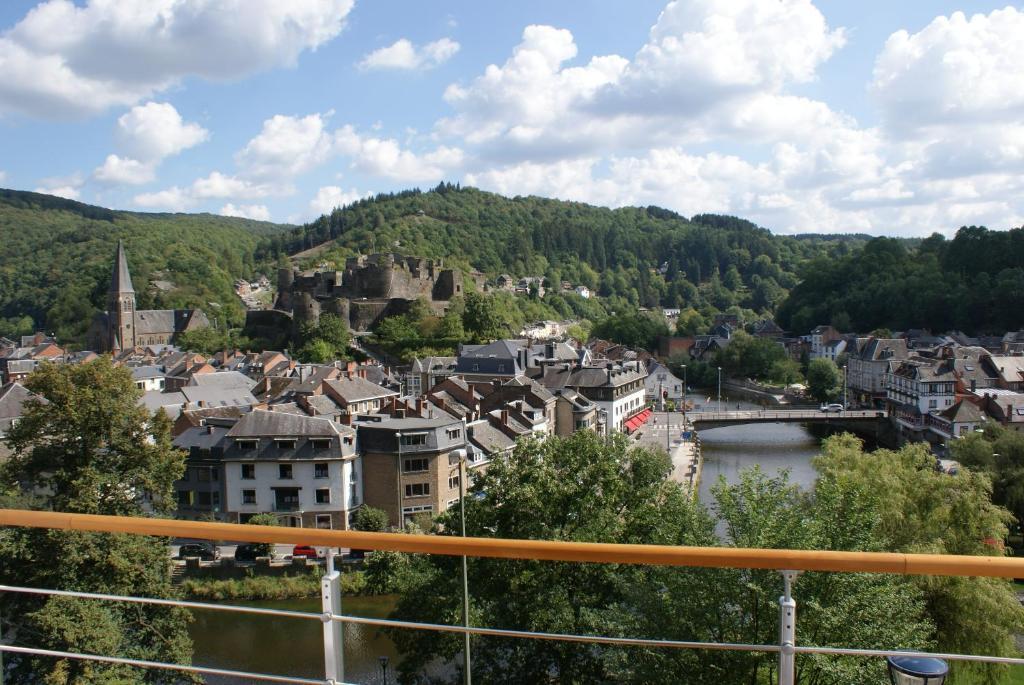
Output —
<point x="845" y="385"/>
<point x="915" y="670"/>
<point x="461" y="455"/>
<point x="383" y="668"/>
<point x="719" y="388"/>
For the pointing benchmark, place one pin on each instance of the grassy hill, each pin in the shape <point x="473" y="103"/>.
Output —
<point x="56" y="259"/>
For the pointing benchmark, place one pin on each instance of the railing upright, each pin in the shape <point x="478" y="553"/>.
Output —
<point x="787" y="630"/>
<point x="330" y="602"/>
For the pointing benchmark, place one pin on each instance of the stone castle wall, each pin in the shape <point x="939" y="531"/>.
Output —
<point x="369" y="288"/>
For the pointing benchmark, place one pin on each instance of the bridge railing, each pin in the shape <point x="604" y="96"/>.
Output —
<point x="332" y="617"/>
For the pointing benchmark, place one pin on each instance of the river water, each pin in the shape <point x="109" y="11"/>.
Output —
<point x="294" y="646"/>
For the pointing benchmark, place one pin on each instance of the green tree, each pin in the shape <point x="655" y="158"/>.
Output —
<point x="92" y="449"/>
<point x="482" y="318"/>
<point x="925" y="511"/>
<point x="370" y="519"/>
<point x="264" y="549"/>
<point x="824" y="380"/>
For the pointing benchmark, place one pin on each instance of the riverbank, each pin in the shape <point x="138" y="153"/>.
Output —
<point x="259" y="587"/>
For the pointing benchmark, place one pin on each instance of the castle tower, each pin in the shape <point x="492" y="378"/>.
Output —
<point x="121" y="305"/>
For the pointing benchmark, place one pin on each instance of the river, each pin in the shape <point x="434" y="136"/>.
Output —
<point x="294" y="647"/>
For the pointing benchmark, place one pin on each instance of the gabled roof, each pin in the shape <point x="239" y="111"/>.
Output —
<point x="962" y="412"/>
<point x="357" y="389"/>
<point x="222" y="380"/>
<point x="279" y="424"/>
<point x="13" y="396"/>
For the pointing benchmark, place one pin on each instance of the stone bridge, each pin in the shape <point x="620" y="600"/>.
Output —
<point x="706" y="420"/>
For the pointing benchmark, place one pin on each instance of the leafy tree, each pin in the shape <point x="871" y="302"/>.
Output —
<point x="316" y="351"/>
<point x="370" y="519"/>
<point x="482" y="319"/>
<point x="264" y="549"/>
<point x="326" y="341"/>
<point x="633" y="330"/>
<point x="824" y="380"/>
<point x="925" y="511"/>
<point x="999" y="453"/>
<point x="92" y="449"/>
<point x="690" y="323"/>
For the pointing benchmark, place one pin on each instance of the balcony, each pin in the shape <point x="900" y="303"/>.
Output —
<point x="787" y="562"/>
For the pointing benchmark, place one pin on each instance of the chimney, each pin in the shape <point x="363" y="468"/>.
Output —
<point x="345" y="419"/>
<point x="504" y="417"/>
<point x="419" y="406"/>
<point x="209" y="430"/>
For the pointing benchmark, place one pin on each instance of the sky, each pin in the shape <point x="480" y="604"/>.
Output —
<point x="888" y="118"/>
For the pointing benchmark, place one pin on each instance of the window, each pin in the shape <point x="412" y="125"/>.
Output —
<point x="453" y="482"/>
<point x="409" y="512"/>
<point x="412" y="440"/>
<point x="321" y="444"/>
<point x="285" y="444"/>
<point x="320" y="470"/>
<point x="452" y="503"/>
<point x="215" y="498"/>
<point x="453" y="433"/>
<point x="348" y="440"/>
<point x="415" y="465"/>
<point x="203" y="474"/>
<point x="932" y="404"/>
<point x="323" y="521"/>
<point x="184" y="498"/>
<point x="247" y="444"/>
<point x="248" y="471"/>
<point x="203" y="499"/>
<point x="417" y="490"/>
<point x="248" y="497"/>
<point x="284" y="471"/>
<point x="323" y="496"/>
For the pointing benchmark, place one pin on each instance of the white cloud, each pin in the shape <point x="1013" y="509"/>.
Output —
<point x="3" y="176"/>
<point x="329" y="197"/>
<point x="286" y="146"/>
<point x="954" y="70"/>
<point x="385" y="157"/>
<point x="218" y="185"/>
<point x="63" y="186"/>
<point x="173" y="199"/>
<point x="402" y="54"/>
<point x="69" y="192"/>
<point x="155" y="130"/>
<point x="123" y="171"/>
<point x="64" y="60"/>
<point x="257" y="212"/>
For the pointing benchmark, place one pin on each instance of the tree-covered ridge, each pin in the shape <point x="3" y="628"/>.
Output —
<point x="974" y="283"/>
<point x="55" y="263"/>
<point x="648" y="256"/>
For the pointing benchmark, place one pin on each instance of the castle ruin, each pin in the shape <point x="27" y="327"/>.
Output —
<point x="370" y="288"/>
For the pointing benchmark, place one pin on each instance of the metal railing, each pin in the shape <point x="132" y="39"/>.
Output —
<point x="789" y="562"/>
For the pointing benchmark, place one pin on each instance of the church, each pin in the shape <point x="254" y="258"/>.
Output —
<point x="123" y="327"/>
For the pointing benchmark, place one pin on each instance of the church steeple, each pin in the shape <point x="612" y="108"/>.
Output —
<point x="121" y="282"/>
<point x="121" y="304"/>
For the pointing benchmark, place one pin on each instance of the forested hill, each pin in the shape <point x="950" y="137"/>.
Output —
<point x="973" y="283"/>
<point x="644" y="256"/>
<point x="56" y="257"/>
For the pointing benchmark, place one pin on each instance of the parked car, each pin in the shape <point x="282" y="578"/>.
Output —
<point x="305" y="551"/>
<point x="832" y="407"/>
<point x="247" y="552"/>
<point x="203" y="550"/>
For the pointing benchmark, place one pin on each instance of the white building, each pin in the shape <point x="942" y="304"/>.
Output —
<point x="918" y="388"/>
<point x="303" y="469"/>
<point x="583" y="291"/>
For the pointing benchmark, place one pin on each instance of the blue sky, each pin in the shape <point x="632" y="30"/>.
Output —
<point x="892" y="118"/>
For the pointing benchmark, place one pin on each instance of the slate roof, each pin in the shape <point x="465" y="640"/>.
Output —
<point x="143" y="372"/>
<point x="272" y="424"/>
<point x="121" y="280"/>
<point x="213" y="397"/>
<point x="223" y="380"/>
<point x="962" y="412"/>
<point x="434" y="364"/>
<point x="12" y="400"/>
<point x="1010" y="368"/>
<point x="155" y="321"/>
<point x="489" y="439"/>
<point x="203" y="437"/>
<point x="876" y="349"/>
<point x="358" y="389"/>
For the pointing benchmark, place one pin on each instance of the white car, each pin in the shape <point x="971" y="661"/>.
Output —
<point x="831" y="407"/>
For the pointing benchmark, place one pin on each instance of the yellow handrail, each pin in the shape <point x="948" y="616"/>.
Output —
<point x="658" y="555"/>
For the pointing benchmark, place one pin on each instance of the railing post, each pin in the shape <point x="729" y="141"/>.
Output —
<point x="787" y="630"/>
<point x="330" y="596"/>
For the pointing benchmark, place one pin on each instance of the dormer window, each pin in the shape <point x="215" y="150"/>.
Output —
<point x="246" y="445"/>
<point x="320" y="443"/>
<point x="285" y="443"/>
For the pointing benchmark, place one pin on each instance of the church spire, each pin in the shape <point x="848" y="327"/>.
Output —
<point x="121" y="282"/>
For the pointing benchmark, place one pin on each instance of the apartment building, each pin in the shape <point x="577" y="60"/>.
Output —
<point x="303" y="469"/>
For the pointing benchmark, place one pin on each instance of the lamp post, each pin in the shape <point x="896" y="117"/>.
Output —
<point x="914" y="670"/>
<point x="684" y="397"/>
<point x="845" y="384"/>
<point x="719" y="388"/>
<point x="383" y="669"/>
<point x="467" y="677"/>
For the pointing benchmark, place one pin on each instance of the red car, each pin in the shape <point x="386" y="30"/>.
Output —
<point x="305" y="551"/>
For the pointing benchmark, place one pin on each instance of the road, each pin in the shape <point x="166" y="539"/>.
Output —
<point x="228" y="550"/>
<point x="664" y="430"/>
